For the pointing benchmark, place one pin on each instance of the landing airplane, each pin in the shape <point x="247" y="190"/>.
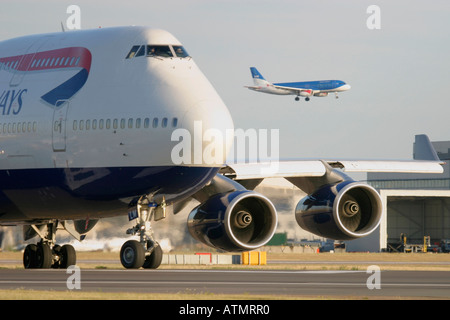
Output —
<point x="87" y="126"/>
<point x="301" y="89"/>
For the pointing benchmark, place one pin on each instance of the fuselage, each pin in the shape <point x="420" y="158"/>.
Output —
<point x="86" y="122"/>
<point x="318" y="86"/>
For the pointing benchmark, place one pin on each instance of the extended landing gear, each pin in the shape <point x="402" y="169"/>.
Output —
<point x="297" y="98"/>
<point x="40" y="256"/>
<point x="46" y="254"/>
<point x="146" y="252"/>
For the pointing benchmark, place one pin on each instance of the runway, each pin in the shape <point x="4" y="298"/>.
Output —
<point x="421" y="284"/>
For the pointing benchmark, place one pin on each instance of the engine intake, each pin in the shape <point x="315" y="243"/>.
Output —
<point x="234" y="221"/>
<point x="343" y="211"/>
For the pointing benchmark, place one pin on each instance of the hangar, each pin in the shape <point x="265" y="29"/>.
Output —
<point x="416" y="207"/>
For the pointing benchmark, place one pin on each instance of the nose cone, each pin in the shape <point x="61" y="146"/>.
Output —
<point x="345" y="87"/>
<point x="211" y="130"/>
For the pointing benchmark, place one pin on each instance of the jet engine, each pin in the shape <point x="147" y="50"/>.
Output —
<point x="342" y="211"/>
<point x="234" y="221"/>
<point x="306" y="93"/>
<point x="321" y="94"/>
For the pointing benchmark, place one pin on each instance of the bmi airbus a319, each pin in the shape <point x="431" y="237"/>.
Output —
<point x="307" y="89"/>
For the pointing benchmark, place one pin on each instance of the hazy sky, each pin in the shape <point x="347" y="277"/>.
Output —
<point x="399" y="74"/>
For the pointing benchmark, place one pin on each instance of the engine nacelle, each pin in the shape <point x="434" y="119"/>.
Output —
<point x="306" y="93"/>
<point x="321" y="94"/>
<point x="343" y="211"/>
<point x="234" y="221"/>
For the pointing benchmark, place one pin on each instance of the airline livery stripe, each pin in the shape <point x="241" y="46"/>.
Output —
<point x="72" y="58"/>
<point x="49" y="60"/>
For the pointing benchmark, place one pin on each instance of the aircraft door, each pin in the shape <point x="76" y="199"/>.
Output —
<point x="59" y="125"/>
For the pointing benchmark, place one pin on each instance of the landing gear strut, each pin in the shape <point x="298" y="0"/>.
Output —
<point x="46" y="254"/>
<point x="146" y="252"/>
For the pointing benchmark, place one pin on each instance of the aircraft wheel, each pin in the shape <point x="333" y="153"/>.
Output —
<point x="307" y="99"/>
<point x="44" y="256"/>
<point x="56" y="251"/>
<point x="68" y="256"/>
<point x="297" y="98"/>
<point x="153" y="261"/>
<point x="29" y="256"/>
<point x="132" y="254"/>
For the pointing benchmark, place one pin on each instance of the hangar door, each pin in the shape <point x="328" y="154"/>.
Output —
<point x="418" y="217"/>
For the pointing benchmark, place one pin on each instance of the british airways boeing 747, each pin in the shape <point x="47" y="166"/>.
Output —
<point x="305" y="89"/>
<point x="87" y="123"/>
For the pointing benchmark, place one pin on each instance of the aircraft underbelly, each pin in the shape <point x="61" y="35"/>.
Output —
<point x="91" y="192"/>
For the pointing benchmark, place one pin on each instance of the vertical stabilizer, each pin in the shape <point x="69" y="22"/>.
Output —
<point x="258" y="78"/>
<point x="423" y="149"/>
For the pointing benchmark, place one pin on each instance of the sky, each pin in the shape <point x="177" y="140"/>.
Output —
<point x="399" y="73"/>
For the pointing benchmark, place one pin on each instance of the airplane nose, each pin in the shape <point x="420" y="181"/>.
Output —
<point x="211" y="128"/>
<point x="346" y="87"/>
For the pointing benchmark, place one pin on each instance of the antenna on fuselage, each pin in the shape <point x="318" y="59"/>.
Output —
<point x="62" y="27"/>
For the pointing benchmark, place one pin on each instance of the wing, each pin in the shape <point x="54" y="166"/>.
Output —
<point x="298" y="91"/>
<point x="298" y="171"/>
<point x="316" y="168"/>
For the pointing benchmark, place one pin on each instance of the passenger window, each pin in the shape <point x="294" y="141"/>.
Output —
<point x="108" y="124"/>
<point x="180" y="52"/>
<point x="164" y="122"/>
<point x="130" y="123"/>
<point x="74" y="125"/>
<point x="115" y="124"/>
<point x="122" y="123"/>
<point x="155" y="122"/>
<point x="94" y="124"/>
<point x="132" y="52"/>
<point x="88" y="124"/>
<point x="159" y="51"/>
<point x="100" y="124"/>
<point x="138" y="123"/>
<point x="174" y="122"/>
<point x="146" y="123"/>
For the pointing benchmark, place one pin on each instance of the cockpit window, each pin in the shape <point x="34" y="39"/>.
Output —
<point x="132" y="52"/>
<point x="159" y="51"/>
<point x="141" y="52"/>
<point x="180" y="52"/>
<point x="164" y="51"/>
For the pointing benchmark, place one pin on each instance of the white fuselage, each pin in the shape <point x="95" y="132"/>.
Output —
<point x="100" y="112"/>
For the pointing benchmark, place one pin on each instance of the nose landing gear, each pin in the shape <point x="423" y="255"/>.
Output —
<point x="146" y="252"/>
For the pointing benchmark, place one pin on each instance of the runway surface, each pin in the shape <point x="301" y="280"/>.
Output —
<point x="435" y="284"/>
